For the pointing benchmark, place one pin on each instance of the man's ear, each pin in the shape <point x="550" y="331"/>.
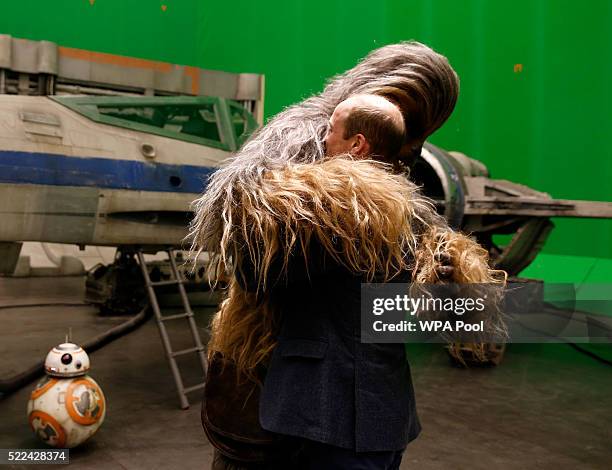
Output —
<point x="360" y="146"/>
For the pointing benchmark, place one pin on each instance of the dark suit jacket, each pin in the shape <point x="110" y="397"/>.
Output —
<point x="322" y="383"/>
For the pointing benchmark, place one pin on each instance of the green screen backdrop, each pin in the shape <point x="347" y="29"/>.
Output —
<point x="535" y="74"/>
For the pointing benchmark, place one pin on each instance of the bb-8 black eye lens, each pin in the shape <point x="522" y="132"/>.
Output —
<point x="78" y="364"/>
<point x="66" y="359"/>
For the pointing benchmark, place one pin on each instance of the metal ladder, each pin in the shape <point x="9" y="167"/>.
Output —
<point x="161" y="319"/>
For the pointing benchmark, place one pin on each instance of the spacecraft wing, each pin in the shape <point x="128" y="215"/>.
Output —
<point x="487" y="196"/>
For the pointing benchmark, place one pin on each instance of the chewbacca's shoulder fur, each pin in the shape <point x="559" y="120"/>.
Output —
<point x="371" y="221"/>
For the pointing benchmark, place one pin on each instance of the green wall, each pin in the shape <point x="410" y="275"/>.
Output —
<point x="544" y="126"/>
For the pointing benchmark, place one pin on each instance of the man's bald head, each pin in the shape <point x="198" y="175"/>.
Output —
<point x="366" y="125"/>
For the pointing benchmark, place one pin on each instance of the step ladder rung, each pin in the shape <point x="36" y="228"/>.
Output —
<point x="169" y="282"/>
<point x="175" y="316"/>
<point x="182" y="352"/>
<point x="178" y="281"/>
<point x="193" y="388"/>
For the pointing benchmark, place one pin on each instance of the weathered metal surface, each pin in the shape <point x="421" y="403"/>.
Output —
<point x="43" y="67"/>
<point x="47" y="213"/>
<point x="486" y="207"/>
<point x="500" y="197"/>
<point x="66" y="179"/>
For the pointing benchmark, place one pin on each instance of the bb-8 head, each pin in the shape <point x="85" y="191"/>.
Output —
<point x="67" y="360"/>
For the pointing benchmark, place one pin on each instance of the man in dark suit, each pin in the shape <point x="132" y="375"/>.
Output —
<point x="349" y="405"/>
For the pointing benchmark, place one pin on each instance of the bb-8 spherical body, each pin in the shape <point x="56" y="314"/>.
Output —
<point x="67" y="407"/>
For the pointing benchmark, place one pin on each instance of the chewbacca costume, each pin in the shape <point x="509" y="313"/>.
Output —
<point x="296" y="234"/>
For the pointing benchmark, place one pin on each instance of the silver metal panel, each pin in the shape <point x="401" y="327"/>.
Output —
<point x="24" y="56"/>
<point x="44" y="130"/>
<point x="5" y="51"/>
<point x="40" y="118"/>
<point x="173" y="81"/>
<point x="112" y="231"/>
<point x="47" y="57"/>
<point x="249" y="87"/>
<point x="116" y="74"/>
<point x="32" y="56"/>
<point x="74" y="69"/>
<point x="501" y="197"/>
<point x="47" y="213"/>
<point x="216" y="83"/>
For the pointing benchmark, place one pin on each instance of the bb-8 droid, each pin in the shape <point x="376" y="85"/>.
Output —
<point x="67" y="407"/>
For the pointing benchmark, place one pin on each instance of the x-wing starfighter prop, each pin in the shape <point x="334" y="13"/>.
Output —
<point x="120" y="163"/>
<point x="475" y="203"/>
<point x="99" y="149"/>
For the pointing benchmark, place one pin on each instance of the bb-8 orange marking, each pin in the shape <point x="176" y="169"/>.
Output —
<point x="37" y="392"/>
<point x="72" y="401"/>
<point x="45" y="420"/>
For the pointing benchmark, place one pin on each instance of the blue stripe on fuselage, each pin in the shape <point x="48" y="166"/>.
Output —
<point x="61" y="170"/>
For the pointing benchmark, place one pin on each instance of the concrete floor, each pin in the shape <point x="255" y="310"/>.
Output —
<point x="544" y="407"/>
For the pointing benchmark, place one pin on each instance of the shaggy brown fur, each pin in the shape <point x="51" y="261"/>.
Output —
<point x="373" y="222"/>
<point x="411" y="74"/>
<point x="278" y="192"/>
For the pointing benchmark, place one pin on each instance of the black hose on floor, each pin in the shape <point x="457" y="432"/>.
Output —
<point x="46" y="304"/>
<point x="14" y="383"/>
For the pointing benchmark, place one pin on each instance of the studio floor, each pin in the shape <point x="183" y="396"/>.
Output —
<point x="545" y="406"/>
